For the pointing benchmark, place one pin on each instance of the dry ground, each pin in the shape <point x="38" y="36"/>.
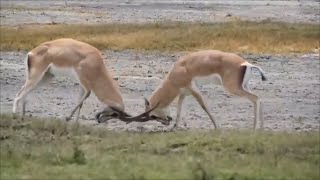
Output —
<point x="290" y="96"/>
<point x="142" y="11"/>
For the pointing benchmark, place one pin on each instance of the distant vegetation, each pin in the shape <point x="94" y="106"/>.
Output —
<point x="53" y="149"/>
<point x="238" y="36"/>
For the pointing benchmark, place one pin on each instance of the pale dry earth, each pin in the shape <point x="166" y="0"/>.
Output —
<point x="291" y="96"/>
<point x="14" y="12"/>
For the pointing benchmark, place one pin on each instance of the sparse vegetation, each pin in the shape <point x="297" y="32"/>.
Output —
<point x="238" y="36"/>
<point x="52" y="149"/>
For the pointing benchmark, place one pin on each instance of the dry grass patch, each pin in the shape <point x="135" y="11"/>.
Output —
<point x="266" y="37"/>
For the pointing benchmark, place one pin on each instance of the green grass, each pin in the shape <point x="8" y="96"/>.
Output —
<point x="237" y="36"/>
<point x="52" y="149"/>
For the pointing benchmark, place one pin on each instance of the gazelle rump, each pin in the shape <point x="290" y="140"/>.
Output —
<point x="233" y="71"/>
<point x="85" y="63"/>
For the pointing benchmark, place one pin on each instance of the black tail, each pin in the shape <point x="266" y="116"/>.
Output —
<point x="28" y="63"/>
<point x="263" y="77"/>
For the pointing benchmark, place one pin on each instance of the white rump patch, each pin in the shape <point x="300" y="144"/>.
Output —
<point x="246" y="64"/>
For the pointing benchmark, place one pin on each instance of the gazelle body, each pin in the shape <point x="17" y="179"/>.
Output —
<point x="69" y="56"/>
<point x="233" y="71"/>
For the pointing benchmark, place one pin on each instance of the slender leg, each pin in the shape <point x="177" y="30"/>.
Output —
<point x="246" y="92"/>
<point x="21" y="96"/>
<point x="261" y="116"/>
<point x="198" y="96"/>
<point x="255" y="115"/>
<point x="23" y="112"/>
<point x="79" y="105"/>
<point x="16" y="101"/>
<point x="256" y="101"/>
<point x="82" y="93"/>
<point x="179" y="108"/>
<point x="34" y="78"/>
<point x="46" y="78"/>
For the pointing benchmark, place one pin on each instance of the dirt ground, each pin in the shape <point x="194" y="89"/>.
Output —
<point x="290" y="97"/>
<point x="141" y="11"/>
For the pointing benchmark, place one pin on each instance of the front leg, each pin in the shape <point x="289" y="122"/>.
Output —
<point x="179" y="109"/>
<point x="84" y="96"/>
<point x="197" y="95"/>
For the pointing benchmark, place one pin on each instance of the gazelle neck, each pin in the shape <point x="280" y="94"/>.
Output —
<point x="164" y="94"/>
<point x="109" y="95"/>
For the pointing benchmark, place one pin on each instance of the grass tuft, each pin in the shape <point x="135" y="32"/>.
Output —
<point x="50" y="148"/>
<point x="238" y="36"/>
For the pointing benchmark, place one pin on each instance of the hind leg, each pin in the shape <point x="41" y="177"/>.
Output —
<point x="36" y="75"/>
<point x="47" y="77"/>
<point x="84" y="94"/>
<point x="257" y="105"/>
<point x="237" y="84"/>
<point x="21" y="96"/>
<point x="245" y="91"/>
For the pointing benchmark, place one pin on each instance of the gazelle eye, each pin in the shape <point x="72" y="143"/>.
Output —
<point x="153" y="117"/>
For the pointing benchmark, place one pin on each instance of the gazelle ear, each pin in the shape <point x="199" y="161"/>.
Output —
<point x="147" y="104"/>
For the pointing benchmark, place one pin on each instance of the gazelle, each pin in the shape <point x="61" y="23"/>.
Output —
<point x="85" y="63"/>
<point x="233" y="71"/>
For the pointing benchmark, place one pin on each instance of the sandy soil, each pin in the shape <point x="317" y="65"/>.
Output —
<point x="141" y="11"/>
<point x="291" y="96"/>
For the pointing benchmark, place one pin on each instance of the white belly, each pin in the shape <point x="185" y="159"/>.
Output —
<point x="214" y="78"/>
<point x="59" y="72"/>
<point x="201" y="81"/>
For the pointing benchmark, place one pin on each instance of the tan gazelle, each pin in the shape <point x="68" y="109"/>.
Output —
<point x="233" y="71"/>
<point x="85" y="63"/>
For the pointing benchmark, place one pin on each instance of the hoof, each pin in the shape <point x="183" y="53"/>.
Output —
<point x="67" y="119"/>
<point x="174" y="128"/>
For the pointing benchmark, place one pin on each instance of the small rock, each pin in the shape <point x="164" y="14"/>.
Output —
<point x="9" y="99"/>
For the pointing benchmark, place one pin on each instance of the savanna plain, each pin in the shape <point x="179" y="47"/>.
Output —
<point x="140" y="40"/>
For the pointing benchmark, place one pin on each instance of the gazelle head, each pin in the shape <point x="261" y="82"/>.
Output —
<point x="158" y="114"/>
<point x="116" y="113"/>
<point x="107" y="114"/>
